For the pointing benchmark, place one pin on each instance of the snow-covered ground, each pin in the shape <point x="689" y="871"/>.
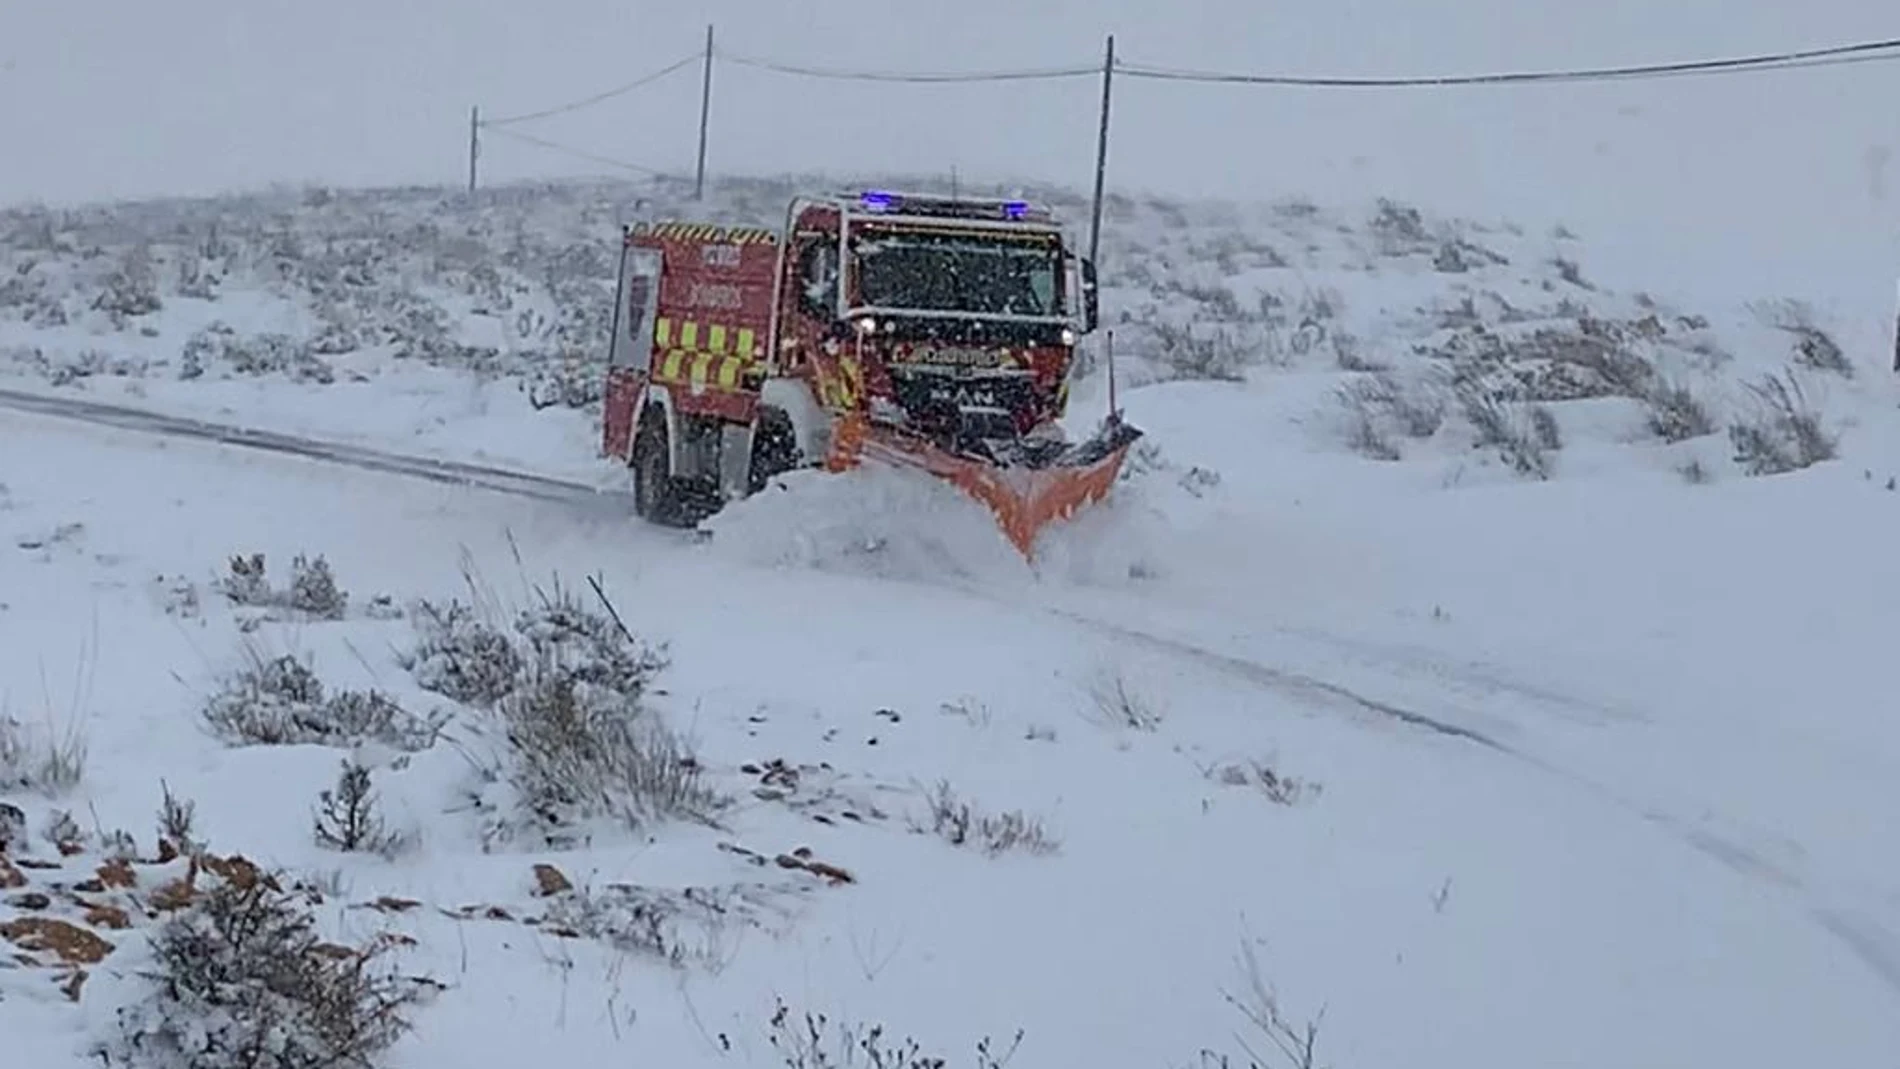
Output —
<point x="1435" y="655"/>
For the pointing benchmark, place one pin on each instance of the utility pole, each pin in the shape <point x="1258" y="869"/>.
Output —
<point x="474" y="143"/>
<point x="1101" y="155"/>
<point x="705" y="115"/>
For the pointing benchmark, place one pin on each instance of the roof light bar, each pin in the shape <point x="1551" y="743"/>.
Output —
<point x="882" y="201"/>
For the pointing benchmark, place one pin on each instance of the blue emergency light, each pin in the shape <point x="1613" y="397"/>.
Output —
<point x="885" y="202"/>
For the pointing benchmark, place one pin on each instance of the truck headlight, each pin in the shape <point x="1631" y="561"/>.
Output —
<point x="867" y="325"/>
<point x="1068" y="335"/>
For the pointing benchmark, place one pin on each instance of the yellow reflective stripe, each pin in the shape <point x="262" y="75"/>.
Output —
<point x="729" y="371"/>
<point x="720" y="362"/>
<point x="702" y="363"/>
<point x="853" y="379"/>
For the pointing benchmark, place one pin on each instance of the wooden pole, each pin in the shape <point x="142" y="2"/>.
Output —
<point x="1101" y="157"/>
<point x="474" y="143"/>
<point x="705" y="115"/>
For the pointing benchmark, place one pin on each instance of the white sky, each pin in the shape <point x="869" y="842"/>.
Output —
<point x="1786" y="178"/>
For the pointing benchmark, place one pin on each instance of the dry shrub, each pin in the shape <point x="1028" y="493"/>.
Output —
<point x="242" y="980"/>
<point x="1120" y="705"/>
<point x="1675" y="414"/>
<point x="1814" y="347"/>
<point x="1523" y="444"/>
<point x="815" y="1041"/>
<point x="960" y="823"/>
<point x="42" y="759"/>
<point x="1261" y="776"/>
<point x="1786" y="432"/>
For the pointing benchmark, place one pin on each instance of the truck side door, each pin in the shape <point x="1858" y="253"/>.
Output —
<point x="811" y="295"/>
<point x="630" y="351"/>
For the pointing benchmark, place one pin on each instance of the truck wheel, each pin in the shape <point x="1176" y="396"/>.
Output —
<point x="774" y="449"/>
<point x="656" y="493"/>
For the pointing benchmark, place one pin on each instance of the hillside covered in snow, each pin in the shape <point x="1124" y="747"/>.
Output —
<point x="1481" y="663"/>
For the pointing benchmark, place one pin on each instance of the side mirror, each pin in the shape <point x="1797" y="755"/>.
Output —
<point x="1091" y="298"/>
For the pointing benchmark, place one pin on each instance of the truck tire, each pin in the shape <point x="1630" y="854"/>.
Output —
<point x="774" y="449"/>
<point x="657" y="494"/>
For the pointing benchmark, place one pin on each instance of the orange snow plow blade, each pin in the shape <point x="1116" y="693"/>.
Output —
<point x="1025" y="496"/>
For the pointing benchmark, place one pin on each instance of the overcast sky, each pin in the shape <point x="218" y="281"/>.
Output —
<point x="1784" y="175"/>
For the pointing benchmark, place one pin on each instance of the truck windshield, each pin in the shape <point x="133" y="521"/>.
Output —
<point x="959" y="273"/>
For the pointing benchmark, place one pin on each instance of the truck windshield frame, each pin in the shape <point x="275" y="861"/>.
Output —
<point x="958" y="272"/>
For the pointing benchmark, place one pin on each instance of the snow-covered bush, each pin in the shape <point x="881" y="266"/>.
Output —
<point x="241" y="979"/>
<point x="1376" y="406"/>
<point x="1675" y="414"/>
<point x="220" y="345"/>
<point x="1785" y="433"/>
<point x="245" y="582"/>
<point x="1212" y="355"/>
<point x="568" y="379"/>
<point x="1522" y="442"/>
<point x="573" y="752"/>
<point x="1364" y="436"/>
<point x="460" y="655"/>
<point x="313" y="588"/>
<point x="464" y="656"/>
<point x="1400" y="229"/>
<point x="280" y="701"/>
<point x="132" y="289"/>
<point x="562" y="691"/>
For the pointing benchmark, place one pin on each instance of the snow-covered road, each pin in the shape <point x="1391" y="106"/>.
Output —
<point x="1450" y="903"/>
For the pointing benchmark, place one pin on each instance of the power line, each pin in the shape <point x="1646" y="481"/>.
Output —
<point x="596" y="98"/>
<point x="1838" y="55"/>
<point x="1877" y="51"/>
<point x="637" y="168"/>
<point x="1023" y="75"/>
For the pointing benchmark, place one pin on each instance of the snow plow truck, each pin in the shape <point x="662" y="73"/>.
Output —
<point x="924" y="332"/>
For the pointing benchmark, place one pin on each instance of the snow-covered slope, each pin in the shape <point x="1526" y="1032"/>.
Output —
<point x="1474" y="736"/>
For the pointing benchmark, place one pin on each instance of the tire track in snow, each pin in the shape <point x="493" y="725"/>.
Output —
<point x="1281" y="679"/>
<point x="1870" y="942"/>
<point x="449" y="472"/>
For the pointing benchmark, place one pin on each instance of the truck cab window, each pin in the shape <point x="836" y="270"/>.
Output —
<point x="819" y="271"/>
